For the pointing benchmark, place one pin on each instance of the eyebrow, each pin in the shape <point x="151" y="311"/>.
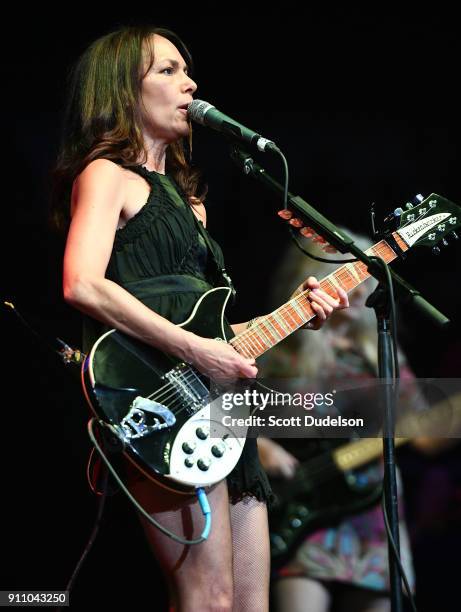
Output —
<point x="174" y="62"/>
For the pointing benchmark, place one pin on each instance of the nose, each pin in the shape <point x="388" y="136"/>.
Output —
<point x="189" y="86"/>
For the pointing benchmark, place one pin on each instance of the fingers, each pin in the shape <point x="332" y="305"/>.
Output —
<point x="343" y="299"/>
<point x="311" y="283"/>
<point x="322" y="304"/>
<point x="248" y="371"/>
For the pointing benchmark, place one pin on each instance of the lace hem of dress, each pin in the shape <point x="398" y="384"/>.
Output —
<point x="258" y="489"/>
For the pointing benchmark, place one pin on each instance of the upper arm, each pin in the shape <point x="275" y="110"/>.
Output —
<point x="98" y="197"/>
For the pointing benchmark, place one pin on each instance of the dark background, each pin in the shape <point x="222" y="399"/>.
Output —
<point x="364" y="107"/>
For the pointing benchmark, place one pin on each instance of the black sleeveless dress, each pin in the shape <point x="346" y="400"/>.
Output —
<point x="161" y="257"/>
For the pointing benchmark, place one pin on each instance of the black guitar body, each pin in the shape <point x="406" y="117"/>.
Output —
<point x="319" y="495"/>
<point x="158" y="405"/>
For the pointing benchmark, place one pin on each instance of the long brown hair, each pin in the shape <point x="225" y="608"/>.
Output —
<point x="102" y="118"/>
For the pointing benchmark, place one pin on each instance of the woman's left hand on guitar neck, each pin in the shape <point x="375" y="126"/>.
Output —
<point x="322" y="304"/>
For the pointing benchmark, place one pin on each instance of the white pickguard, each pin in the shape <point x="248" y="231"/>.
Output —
<point x="219" y="467"/>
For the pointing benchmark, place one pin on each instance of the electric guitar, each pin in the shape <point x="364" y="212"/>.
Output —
<point x="159" y="407"/>
<point x="328" y="487"/>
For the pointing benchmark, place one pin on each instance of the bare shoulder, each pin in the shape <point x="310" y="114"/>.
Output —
<point x="102" y="183"/>
<point x="101" y="168"/>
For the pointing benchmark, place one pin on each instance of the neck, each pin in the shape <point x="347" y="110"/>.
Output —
<point x="156" y="154"/>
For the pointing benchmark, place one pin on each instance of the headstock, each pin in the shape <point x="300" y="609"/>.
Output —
<point x="432" y="221"/>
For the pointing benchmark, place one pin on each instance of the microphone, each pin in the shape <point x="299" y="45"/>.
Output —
<point x="207" y="114"/>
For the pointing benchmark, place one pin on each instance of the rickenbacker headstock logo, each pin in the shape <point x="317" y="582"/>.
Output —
<point x="416" y="230"/>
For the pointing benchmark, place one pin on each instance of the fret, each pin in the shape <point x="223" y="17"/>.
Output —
<point x="282" y="323"/>
<point x="302" y="313"/>
<point x="358" y="453"/>
<point x="268" y="321"/>
<point x="250" y="349"/>
<point x="249" y="336"/>
<point x="285" y="310"/>
<point x="252" y="332"/>
<point x="333" y="281"/>
<point x="274" y="327"/>
<point x="293" y="314"/>
<point x="260" y="327"/>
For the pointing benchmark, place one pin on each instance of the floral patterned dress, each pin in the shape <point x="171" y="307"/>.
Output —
<point x="355" y="550"/>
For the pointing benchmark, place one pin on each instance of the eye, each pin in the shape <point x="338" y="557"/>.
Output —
<point x="167" y="71"/>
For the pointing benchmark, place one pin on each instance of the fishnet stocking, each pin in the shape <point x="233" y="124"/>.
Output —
<point x="251" y="555"/>
<point x="228" y="572"/>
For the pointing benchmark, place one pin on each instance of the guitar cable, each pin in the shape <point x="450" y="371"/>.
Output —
<point x="68" y="355"/>
<point x="75" y="357"/>
<point x="103" y="493"/>
<point x="200" y="491"/>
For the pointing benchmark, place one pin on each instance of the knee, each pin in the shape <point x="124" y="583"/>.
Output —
<point x="214" y="594"/>
<point x="219" y="596"/>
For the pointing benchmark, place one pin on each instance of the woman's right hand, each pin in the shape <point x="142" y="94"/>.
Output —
<point x="219" y="361"/>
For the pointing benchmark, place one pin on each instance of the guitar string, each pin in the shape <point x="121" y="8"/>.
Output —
<point x="168" y="391"/>
<point x="381" y="248"/>
<point x="341" y="274"/>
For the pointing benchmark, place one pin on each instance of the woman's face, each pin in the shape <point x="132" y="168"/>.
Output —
<point x="166" y="91"/>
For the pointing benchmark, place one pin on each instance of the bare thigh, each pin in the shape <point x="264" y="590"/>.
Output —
<point x="199" y="576"/>
<point x="301" y="594"/>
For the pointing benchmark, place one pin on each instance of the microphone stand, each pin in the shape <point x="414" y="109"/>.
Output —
<point x="381" y="302"/>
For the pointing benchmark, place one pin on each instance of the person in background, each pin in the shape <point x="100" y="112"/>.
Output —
<point x="343" y="566"/>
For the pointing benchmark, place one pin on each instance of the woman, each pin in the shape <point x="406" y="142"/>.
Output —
<point x="343" y="566"/>
<point x="137" y="259"/>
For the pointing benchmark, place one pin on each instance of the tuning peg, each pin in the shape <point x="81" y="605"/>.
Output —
<point x="436" y="250"/>
<point x="408" y="205"/>
<point x="444" y="242"/>
<point x="394" y="215"/>
<point x="454" y="235"/>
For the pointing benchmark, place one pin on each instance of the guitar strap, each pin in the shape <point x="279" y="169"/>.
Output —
<point x="175" y="191"/>
<point x="222" y="273"/>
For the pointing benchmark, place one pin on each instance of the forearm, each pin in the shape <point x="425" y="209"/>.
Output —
<point x="109" y="303"/>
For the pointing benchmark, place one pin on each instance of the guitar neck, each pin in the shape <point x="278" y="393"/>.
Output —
<point x="271" y="329"/>
<point x="428" y="422"/>
<point x="355" y="454"/>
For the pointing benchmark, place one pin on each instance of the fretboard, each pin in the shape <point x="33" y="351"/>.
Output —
<point x="271" y="329"/>
<point x="432" y="422"/>
<point x="359" y="453"/>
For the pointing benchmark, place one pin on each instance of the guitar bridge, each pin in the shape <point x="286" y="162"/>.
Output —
<point x="134" y="425"/>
